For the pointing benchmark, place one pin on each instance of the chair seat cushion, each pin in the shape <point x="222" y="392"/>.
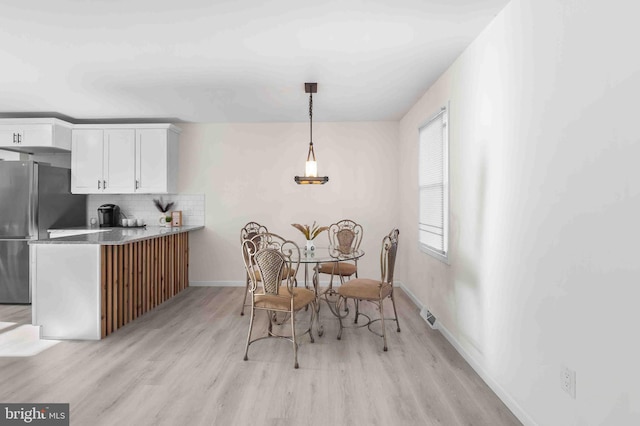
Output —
<point x="364" y="289"/>
<point x="338" y="268"/>
<point x="282" y="301"/>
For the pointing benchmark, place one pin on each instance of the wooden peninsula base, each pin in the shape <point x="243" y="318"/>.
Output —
<point x="139" y="276"/>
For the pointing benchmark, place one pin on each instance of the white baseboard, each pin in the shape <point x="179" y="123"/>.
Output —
<point x="216" y="283"/>
<point x="477" y="366"/>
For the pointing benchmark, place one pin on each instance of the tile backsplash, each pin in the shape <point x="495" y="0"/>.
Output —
<point x="141" y="206"/>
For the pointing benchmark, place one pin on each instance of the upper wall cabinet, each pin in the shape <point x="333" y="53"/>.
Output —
<point x="156" y="161"/>
<point x="35" y="135"/>
<point x="103" y="161"/>
<point x="124" y="159"/>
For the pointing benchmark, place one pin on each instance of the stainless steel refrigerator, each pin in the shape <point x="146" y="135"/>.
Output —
<point x="33" y="198"/>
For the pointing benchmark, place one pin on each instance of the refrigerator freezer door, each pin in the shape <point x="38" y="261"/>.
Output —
<point x="14" y="271"/>
<point x="17" y="199"/>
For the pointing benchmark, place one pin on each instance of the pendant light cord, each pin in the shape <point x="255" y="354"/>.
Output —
<point x="311" y="118"/>
<point x="311" y="156"/>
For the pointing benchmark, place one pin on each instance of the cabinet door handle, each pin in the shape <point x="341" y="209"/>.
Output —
<point x="15" y="138"/>
<point x="19" y="138"/>
<point x="104" y="184"/>
<point x="98" y="183"/>
<point x="137" y="184"/>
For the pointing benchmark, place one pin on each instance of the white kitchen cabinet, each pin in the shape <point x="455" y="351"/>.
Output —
<point x="156" y="161"/>
<point x="35" y="135"/>
<point x="87" y="161"/>
<point x="119" y="161"/>
<point x="123" y="159"/>
<point x="103" y="161"/>
<point x="66" y="296"/>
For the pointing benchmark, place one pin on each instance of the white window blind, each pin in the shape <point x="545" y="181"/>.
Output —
<point x="433" y="182"/>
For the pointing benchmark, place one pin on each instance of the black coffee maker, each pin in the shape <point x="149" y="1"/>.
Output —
<point x="108" y="215"/>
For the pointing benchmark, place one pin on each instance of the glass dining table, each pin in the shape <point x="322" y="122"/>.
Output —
<point x="315" y="258"/>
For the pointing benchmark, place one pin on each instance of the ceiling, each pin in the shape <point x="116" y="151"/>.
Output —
<point x="229" y="60"/>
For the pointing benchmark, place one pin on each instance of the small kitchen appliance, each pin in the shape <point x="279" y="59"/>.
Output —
<point x="108" y="215"/>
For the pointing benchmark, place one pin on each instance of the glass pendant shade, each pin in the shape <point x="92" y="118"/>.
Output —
<point x="311" y="169"/>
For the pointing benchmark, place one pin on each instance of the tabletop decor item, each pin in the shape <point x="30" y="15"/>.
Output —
<point x="310" y="232"/>
<point x="165" y="218"/>
<point x="176" y="218"/>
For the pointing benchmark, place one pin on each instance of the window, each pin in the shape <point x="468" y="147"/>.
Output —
<point x="433" y="183"/>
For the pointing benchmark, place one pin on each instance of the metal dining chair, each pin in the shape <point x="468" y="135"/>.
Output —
<point x="345" y="236"/>
<point x="374" y="291"/>
<point x="249" y="231"/>
<point x="273" y="259"/>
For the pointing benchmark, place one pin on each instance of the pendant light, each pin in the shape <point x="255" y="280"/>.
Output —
<point x="311" y="166"/>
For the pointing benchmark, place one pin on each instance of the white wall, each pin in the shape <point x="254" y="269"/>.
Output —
<point x="545" y="204"/>
<point x="246" y="172"/>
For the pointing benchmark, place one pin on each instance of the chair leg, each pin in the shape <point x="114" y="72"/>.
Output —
<point x="244" y="299"/>
<point x="357" y="303"/>
<point x="340" y="299"/>
<point x="346" y="305"/>
<point x="393" y="302"/>
<point x="313" y="318"/>
<point x="246" y="350"/>
<point x="384" y="330"/>
<point x="331" y="279"/>
<point x="270" y="316"/>
<point x="316" y="307"/>
<point x="293" y="337"/>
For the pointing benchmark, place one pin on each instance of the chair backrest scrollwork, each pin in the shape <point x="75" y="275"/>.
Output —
<point x="345" y="236"/>
<point x="388" y="256"/>
<point x="276" y="260"/>
<point x="249" y="231"/>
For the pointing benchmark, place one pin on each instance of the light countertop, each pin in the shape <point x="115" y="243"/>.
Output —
<point x="116" y="236"/>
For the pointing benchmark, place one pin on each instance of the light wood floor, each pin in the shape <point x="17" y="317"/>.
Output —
<point x="182" y="364"/>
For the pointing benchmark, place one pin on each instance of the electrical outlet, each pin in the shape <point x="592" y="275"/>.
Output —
<point x="568" y="381"/>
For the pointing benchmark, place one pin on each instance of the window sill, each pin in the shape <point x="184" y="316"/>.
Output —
<point x="444" y="258"/>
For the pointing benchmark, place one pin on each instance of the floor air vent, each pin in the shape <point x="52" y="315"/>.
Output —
<point x="429" y="318"/>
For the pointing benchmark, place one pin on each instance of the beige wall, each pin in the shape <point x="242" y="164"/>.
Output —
<point x="246" y="173"/>
<point x="545" y="201"/>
